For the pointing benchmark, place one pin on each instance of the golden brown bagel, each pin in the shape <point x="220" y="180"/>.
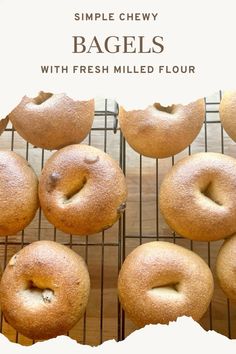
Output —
<point x="226" y="267"/>
<point x="197" y="197"/>
<point x="228" y="113"/>
<point x="3" y="124"/>
<point x="52" y="121"/>
<point x="44" y="290"/>
<point x="160" y="281"/>
<point x="161" y="131"/>
<point x="82" y="190"/>
<point x="18" y="193"/>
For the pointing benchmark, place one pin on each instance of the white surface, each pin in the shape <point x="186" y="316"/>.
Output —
<point x="182" y="337"/>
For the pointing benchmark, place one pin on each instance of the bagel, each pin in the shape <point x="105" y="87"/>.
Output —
<point x="160" y="281"/>
<point x="159" y="131"/>
<point x="18" y="193"/>
<point x="197" y="197"/>
<point x="44" y="290"/>
<point x="82" y="190"/>
<point x="228" y="113"/>
<point x="3" y="124"/>
<point x="51" y="121"/>
<point x="226" y="266"/>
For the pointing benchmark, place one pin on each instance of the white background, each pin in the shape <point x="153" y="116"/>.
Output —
<point x="200" y="33"/>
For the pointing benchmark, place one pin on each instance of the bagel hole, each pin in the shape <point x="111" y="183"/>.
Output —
<point x="167" y="109"/>
<point x="208" y="192"/>
<point x="42" y="97"/>
<point x="36" y="292"/>
<point x="70" y="195"/>
<point x="168" y="287"/>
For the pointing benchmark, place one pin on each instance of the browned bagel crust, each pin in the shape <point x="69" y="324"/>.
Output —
<point x="226" y="267"/>
<point x="197" y="197"/>
<point x="18" y="193"/>
<point x="160" y="281"/>
<point x="82" y="190"/>
<point x="3" y="124"/>
<point x="44" y="290"/>
<point x="228" y="113"/>
<point x="159" y="131"/>
<point x="52" y="121"/>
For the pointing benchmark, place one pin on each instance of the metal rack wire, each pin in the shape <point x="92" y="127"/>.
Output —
<point x="141" y="222"/>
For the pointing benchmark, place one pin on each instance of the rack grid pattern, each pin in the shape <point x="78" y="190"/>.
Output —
<point x="141" y="222"/>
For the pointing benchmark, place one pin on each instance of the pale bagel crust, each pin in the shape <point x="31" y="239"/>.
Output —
<point x="160" y="281"/>
<point x="52" y="121"/>
<point x="18" y="193"/>
<point x="159" y="131"/>
<point x="226" y="267"/>
<point x="44" y="290"/>
<point x="197" y="197"/>
<point x="228" y="113"/>
<point x="82" y="190"/>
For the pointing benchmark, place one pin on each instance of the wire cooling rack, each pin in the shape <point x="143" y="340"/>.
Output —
<point x="141" y="222"/>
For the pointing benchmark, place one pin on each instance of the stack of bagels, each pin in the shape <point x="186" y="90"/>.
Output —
<point x="44" y="289"/>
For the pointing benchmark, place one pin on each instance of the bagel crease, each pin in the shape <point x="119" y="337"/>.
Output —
<point x="227" y="111"/>
<point x="18" y="193"/>
<point x="44" y="290"/>
<point x="82" y="190"/>
<point x="159" y="131"/>
<point x="160" y="281"/>
<point x="197" y="197"/>
<point x="51" y="121"/>
<point x="225" y="267"/>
